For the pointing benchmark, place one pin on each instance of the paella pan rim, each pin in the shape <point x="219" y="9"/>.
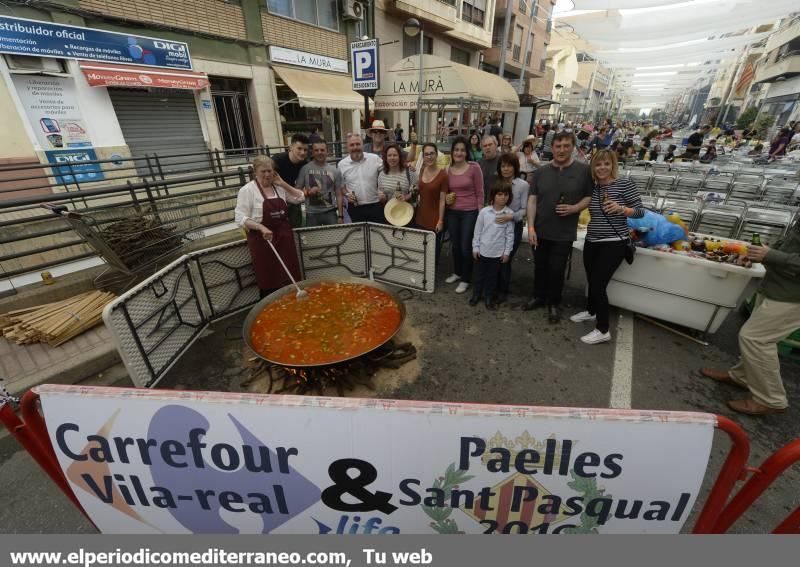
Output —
<point x="290" y="289"/>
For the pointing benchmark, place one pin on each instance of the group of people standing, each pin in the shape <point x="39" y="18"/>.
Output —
<point x="483" y="206"/>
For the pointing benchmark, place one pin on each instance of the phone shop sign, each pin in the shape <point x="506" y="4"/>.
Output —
<point x="45" y="39"/>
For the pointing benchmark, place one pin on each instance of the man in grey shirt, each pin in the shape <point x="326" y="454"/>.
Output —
<point x="322" y="184"/>
<point x="559" y="192"/>
<point x="489" y="163"/>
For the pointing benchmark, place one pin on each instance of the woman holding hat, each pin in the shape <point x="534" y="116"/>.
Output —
<point x="395" y="179"/>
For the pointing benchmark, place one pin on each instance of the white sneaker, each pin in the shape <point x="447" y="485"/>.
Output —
<point x="453" y="278"/>
<point x="462" y="287"/>
<point x="582" y="316"/>
<point x="596" y="337"/>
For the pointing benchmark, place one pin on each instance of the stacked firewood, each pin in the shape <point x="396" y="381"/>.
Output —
<point x="55" y="323"/>
<point x="137" y="240"/>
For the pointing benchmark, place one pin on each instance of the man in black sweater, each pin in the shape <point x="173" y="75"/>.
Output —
<point x="288" y="165"/>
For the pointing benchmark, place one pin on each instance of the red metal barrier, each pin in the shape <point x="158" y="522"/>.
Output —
<point x="732" y="471"/>
<point x="715" y="518"/>
<point x="31" y="433"/>
<point x="762" y="478"/>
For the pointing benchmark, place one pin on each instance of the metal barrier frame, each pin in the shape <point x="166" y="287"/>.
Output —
<point x="132" y="347"/>
<point x="719" y="512"/>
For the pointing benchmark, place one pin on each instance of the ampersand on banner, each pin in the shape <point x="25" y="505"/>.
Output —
<point x="356" y="487"/>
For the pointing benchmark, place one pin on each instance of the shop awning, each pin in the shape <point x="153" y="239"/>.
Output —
<point x="110" y="75"/>
<point x="321" y="90"/>
<point x="442" y="80"/>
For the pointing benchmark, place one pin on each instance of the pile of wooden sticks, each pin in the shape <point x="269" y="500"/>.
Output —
<point x="55" y="323"/>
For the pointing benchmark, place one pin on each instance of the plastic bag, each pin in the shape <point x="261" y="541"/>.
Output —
<point x="658" y="230"/>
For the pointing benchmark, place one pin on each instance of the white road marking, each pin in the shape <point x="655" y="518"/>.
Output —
<point x="622" y="378"/>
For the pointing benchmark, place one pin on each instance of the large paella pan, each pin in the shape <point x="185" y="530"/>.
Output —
<point x="341" y="319"/>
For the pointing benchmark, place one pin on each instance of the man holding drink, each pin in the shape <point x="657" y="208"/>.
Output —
<point x="559" y="191"/>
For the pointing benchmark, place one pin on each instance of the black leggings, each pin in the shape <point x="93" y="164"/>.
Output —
<point x="601" y="260"/>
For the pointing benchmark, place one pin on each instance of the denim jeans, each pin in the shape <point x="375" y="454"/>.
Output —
<point x="487" y="272"/>
<point x="461" y="226"/>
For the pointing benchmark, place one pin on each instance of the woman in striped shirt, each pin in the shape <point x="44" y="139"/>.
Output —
<point x="613" y="201"/>
<point x="395" y="179"/>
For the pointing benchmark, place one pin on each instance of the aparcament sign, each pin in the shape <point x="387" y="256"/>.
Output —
<point x="150" y="461"/>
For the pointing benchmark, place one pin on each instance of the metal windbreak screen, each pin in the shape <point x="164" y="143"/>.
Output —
<point x="403" y="257"/>
<point x="156" y="321"/>
<point x="226" y="278"/>
<point x="333" y="251"/>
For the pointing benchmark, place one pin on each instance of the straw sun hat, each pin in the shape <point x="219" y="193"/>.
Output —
<point x="398" y="212"/>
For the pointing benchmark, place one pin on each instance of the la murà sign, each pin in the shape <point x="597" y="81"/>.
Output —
<point x="412" y="86"/>
<point x="303" y="59"/>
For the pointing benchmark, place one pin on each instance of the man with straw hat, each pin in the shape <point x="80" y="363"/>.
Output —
<point x="378" y="135"/>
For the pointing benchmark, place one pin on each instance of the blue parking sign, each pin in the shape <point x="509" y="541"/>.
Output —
<point x="365" y="65"/>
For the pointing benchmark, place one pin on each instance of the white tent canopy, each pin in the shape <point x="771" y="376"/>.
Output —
<point x="659" y="49"/>
<point x="672" y="24"/>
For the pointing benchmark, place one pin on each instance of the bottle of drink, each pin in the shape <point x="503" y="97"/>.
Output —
<point x="605" y="196"/>
<point x="561" y="199"/>
<point x="398" y="193"/>
<point x="756" y="240"/>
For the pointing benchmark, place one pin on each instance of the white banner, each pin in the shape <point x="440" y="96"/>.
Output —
<point x="146" y="461"/>
<point x="51" y="105"/>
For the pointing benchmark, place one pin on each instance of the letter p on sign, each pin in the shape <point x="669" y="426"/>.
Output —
<point x="363" y="61"/>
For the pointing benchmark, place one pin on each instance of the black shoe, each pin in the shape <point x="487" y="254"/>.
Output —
<point x="533" y="304"/>
<point x="474" y="301"/>
<point x="491" y="306"/>
<point x="554" y="314"/>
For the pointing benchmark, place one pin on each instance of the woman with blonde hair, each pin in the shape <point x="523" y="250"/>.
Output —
<point x="261" y="209"/>
<point x="614" y="199"/>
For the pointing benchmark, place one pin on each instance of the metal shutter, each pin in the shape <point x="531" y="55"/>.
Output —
<point x="163" y="122"/>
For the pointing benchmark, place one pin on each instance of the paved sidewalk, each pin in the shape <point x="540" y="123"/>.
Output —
<point x="24" y="366"/>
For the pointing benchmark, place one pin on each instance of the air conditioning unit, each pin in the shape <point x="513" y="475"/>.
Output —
<point x="29" y="63"/>
<point x="352" y="10"/>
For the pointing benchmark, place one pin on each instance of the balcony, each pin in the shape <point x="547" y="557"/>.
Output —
<point x="783" y="36"/>
<point x="514" y="61"/>
<point x="441" y="13"/>
<point x="786" y="67"/>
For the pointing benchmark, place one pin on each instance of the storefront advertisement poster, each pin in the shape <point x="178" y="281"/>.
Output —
<point x="148" y="461"/>
<point x="73" y="166"/>
<point x="51" y="105"/>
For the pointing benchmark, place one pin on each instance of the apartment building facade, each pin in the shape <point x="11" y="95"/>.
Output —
<point x="253" y="72"/>
<point x="454" y="31"/>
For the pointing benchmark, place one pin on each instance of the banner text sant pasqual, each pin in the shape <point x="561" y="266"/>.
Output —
<point x="557" y="459"/>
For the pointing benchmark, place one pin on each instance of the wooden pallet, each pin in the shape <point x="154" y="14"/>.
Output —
<point x="55" y="323"/>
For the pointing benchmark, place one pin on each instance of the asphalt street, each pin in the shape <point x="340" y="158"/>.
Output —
<point x="509" y="356"/>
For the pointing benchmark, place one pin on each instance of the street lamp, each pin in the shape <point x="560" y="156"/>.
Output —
<point x="411" y="28"/>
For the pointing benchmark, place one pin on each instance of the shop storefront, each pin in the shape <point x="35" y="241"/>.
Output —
<point x="314" y="92"/>
<point x="156" y="109"/>
<point x="103" y="94"/>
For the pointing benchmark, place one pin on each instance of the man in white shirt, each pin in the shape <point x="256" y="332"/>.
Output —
<point x="360" y="178"/>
